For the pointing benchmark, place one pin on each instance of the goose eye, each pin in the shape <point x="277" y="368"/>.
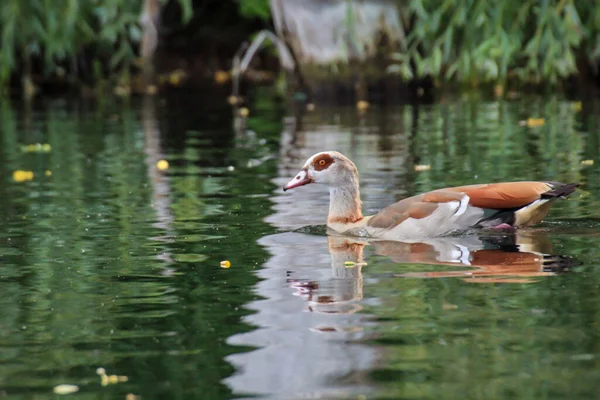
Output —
<point x="321" y="162"/>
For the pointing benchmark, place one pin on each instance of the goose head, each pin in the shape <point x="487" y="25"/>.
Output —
<point x="329" y="168"/>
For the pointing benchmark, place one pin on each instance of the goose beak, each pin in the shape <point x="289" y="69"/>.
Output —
<point x="300" y="180"/>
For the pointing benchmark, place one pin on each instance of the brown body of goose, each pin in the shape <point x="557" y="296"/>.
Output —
<point x="435" y="213"/>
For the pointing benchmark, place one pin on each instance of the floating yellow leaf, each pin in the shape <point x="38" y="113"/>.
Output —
<point x="449" y="306"/>
<point x="349" y="264"/>
<point x="225" y="264"/>
<point x="533" y="122"/>
<point x="48" y="172"/>
<point x="22" y="176"/>
<point x="162" y="165"/>
<point x="587" y="162"/>
<point x="37" y="148"/>
<point x="577" y="106"/>
<point x="233" y="100"/>
<point x="66" y="389"/>
<point x="423" y="167"/>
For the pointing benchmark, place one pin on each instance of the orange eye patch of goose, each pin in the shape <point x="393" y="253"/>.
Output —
<point x="322" y="162"/>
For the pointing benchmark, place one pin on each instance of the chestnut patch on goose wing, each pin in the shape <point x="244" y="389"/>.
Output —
<point x="416" y="207"/>
<point x="503" y="195"/>
<point x="322" y="161"/>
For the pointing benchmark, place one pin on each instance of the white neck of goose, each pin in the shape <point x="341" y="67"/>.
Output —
<point x="344" y="203"/>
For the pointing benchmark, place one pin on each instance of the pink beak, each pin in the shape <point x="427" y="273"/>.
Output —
<point x="300" y="180"/>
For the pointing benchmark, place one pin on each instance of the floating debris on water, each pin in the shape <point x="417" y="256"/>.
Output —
<point x="106" y="380"/>
<point x="577" y="106"/>
<point x="37" y="148"/>
<point x="22" y="176"/>
<point x="66" y="389"/>
<point x="587" y="162"/>
<point x="349" y="264"/>
<point x="225" y="264"/>
<point x="533" y="122"/>
<point x="162" y="165"/>
<point x="449" y="306"/>
<point x="422" y="167"/>
<point x="583" y="357"/>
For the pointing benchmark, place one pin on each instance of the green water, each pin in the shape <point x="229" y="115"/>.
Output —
<point x="108" y="261"/>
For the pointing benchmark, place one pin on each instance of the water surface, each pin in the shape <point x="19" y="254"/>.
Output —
<point x="108" y="261"/>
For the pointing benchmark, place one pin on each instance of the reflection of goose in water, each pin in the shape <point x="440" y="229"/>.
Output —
<point x="341" y="294"/>
<point x="299" y="353"/>
<point x="516" y="257"/>
<point x="311" y="294"/>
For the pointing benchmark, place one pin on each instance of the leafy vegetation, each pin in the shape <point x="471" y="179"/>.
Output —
<point x="477" y="41"/>
<point x="466" y="41"/>
<point x="255" y="9"/>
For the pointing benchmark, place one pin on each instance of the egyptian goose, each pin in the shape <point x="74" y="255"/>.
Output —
<point x="431" y="214"/>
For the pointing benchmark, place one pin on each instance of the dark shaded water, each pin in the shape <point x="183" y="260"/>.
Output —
<point x="108" y="261"/>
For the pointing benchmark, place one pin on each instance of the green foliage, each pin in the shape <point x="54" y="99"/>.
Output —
<point x="255" y="9"/>
<point x="57" y="31"/>
<point x="481" y="41"/>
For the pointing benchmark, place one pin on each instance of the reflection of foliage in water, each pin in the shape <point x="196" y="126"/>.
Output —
<point x="468" y="143"/>
<point x="92" y="277"/>
<point x="94" y="281"/>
